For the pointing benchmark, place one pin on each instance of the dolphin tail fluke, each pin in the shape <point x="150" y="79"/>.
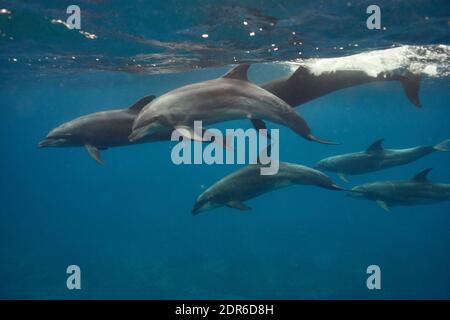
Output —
<point x="411" y="84"/>
<point x="311" y="137"/>
<point x="442" y="146"/>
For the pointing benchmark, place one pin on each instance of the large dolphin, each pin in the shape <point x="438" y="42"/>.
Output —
<point x="416" y="191"/>
<point x="230" y="97"/>
<point x="99" y="131"/>
<point x="376" y="158"/>
<point x="303" y="85"/>
<point x="248" y="183"/>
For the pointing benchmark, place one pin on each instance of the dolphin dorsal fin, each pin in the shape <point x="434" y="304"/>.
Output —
<point x="141" y="103"/>
<point x="300" y="72"/>
<point x="422" y="176"/>
<point x="376" y="146"/>
<point x="239" y="72"/>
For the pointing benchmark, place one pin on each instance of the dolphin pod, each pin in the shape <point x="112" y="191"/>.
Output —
<point x="231" y="97"/>
<point x="416" y="191"/>
<point x="376" y="158"/>
<point x="102" y="130"/>
<point x="248" y="183"/>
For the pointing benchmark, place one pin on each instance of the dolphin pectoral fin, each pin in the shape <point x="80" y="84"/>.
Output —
<point x="383" y="205"/>
<point x="342" y="176"/>
<point x="258" y="124"/>
<point x="238" y="205"/>
<point x="265" y="153"/>
<point x="94" y="153"/>
<point x="224" y="143"/>
<point x="189" y="133"/>
<point x="411" y="84"/>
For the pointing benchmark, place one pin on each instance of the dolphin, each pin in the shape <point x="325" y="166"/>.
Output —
<point x="376" y="158"/>
<point x="303" y="86"/>
<point x="100" y="131"/>
<point x="230" y="97"/>
<point x="416" y="191"/>
<point x="248" y="183"/>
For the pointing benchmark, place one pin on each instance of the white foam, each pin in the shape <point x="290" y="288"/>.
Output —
<point x="433" y="61"/>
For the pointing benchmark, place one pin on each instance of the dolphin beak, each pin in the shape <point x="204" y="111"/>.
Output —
<point x="43" y="143"/>
<point x="51" y="142"/>
<point x="196" y="209"/>
<point x="56" y="141"/>
<point x="354" y="193"/>
<point x="140" y="133"/>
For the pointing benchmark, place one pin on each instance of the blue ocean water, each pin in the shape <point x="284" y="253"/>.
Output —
<point x="128" y="224"/>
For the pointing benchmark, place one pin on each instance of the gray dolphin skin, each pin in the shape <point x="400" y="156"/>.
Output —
<point x="230" y="97"/>
<point x="303" y="86"/>
<point x="99" y="131"/>
<point x="416" y="191"/>
<point x="376" y="158"/>
<point x="248" y="183"/>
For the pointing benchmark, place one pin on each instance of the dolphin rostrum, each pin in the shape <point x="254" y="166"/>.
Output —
<point x="416" y="191"/>
<point x="230" y="97"/>
<point x="248" y="183"/>
<point x="99" y="131"/>
<point x="376" y="158"/>
<point x="303" y="86"/>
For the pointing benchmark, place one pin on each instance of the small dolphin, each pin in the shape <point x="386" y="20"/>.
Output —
<point x="99" y="131"/>
<point x="230" y="97"/>
<point x="376" y="158"/>
<point x="417" y="191"/>
<point x="303" y="86"/>
<point x="248" y="183"/>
